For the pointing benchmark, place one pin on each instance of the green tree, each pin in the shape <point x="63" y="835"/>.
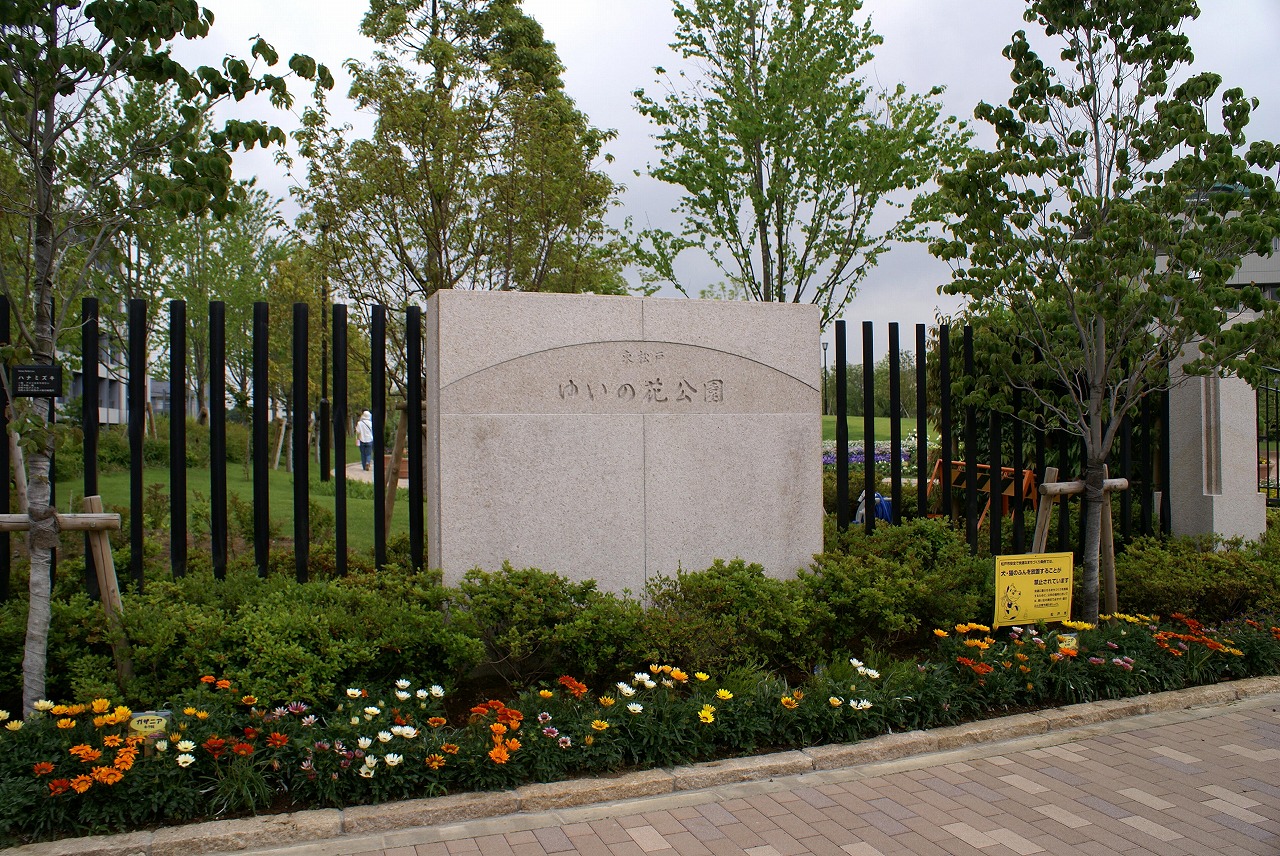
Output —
<point x="58" y="59"/>
<point x="1101" y="232"/>
<point x="480" y="172"/>
<point x="796" y="175"/>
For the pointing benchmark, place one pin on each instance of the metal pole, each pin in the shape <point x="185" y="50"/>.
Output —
<point x="218" y="435"/>
<point x="944" y="369"/>
<point x="378" y="380"/>
<point x="137" y="419"/>
<point x="824" y="378"/>
<point x="842" y="429"/>
<point x="89" y="399"/>
<point x="301" y="461"/>
<point x="340" y="437"/>
<point x="261" y="406"/>
<point x="177" y="437"/>
<point x="970" y="449"/>
<point x="895" y="423"/>
<point x="922" y="424"/>
<point x="868" y="429"/>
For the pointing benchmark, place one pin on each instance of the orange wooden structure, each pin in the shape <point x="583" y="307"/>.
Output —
<point x="959" y="479"/>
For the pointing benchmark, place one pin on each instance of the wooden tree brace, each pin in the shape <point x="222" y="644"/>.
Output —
<point x="1055" y="490"/>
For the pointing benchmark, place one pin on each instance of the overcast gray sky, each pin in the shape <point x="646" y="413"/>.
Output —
<point x="610" y="47"/>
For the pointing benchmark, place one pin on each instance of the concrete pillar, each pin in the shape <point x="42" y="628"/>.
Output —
<point x="1213" y="428"/>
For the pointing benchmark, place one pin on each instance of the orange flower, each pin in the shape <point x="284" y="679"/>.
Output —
<point x="88" y="754"/>
<point x="244" y="750"/>
<point x="437" y="721"/>
<point x="250" y="733"/>
<point x="679" y="675"/>
<point x="449" y="748"/>
<point x="512" y="744"/>
<point x="100" y="705"/>
<point x="223" y="684"/>
<point x="107" y="775"/>
<point x="249" y="700"/>
<point x="798" y="695"/>
<point x="112" y="740"/>
<point x="498" y="730"/>
<point x="208" y="679"/>
<point x="42" y="768"/>
<point x="435" y="762"/>
<point x="577" y="688"/>
<point x="790" y="703"/>
<point x="66" y="723"/>
<point x="81" y="783"/>
<point x="215" y="746"/>
<point x="59" y="786"/>
<point x="276" y="740"/>
<point x="499" y="755"/>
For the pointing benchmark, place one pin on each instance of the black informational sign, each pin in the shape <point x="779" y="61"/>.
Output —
<point x="36" y="381"/>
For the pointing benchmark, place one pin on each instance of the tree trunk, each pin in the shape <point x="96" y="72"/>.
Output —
<point x="41" y="586"/>
<point x="19" y="471"/>
<point x="1094" y="496"/>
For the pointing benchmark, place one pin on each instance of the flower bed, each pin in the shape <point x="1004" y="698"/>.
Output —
<point x="76" y="768"/>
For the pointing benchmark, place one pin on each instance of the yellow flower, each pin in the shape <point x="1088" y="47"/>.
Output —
<point x="100" y="705"/>
<point x="707" y="716"/>
<point x="202" y="714"/>
<point x="789" y="703"/>
<point x="835" y="701"/>
<point x="1078" y="625"/>
<point x="58" y="710"/>
<point x="679" y="675"/>
<point x="706" y="708"/>
<point x="66" y="723"/>
<point x="724" y="695"/>
<point x="14" y="725"/>
<point x="189" y="711"/>
<point x="977" y="643"/>
<point x="589" y="740"/>
<point x="606" y="701"/>
<point x="975" y="626"/>
<point x="43" y="705"/>
<point x="1031" y="687"/>
<point x="940" y="633"/>
<point x="702" y="676"/>
<point x="599" y="725"/>
<point x="655" y="668"/>
<point x="544" y="694"/>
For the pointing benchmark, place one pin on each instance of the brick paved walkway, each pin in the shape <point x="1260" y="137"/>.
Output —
<point x="1201" y="781"/>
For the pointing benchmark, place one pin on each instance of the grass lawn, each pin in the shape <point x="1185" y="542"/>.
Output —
<point x="114" y="488"/>
<point x="883" y="426"/>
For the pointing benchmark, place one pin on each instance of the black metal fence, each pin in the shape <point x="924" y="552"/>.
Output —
<point x="1009" y="461"/>
<point x="947" y="484"/>
<point x="1269" y="437"/>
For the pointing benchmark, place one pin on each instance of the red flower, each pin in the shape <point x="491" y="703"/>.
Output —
<point x="250" y="733"/>
<point x="42" y="768"/>
<point x="59" y="786"/>
<point x="276" y="740"/>
<point x="576" y="687"/>
<point x="215" y="746"/>
<point x="244" y="750"/>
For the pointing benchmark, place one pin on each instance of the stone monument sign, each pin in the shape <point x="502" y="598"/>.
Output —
<point x="617" y="438"/>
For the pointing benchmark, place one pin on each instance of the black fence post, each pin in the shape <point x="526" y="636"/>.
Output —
<point x="842" y="429"/>
<point x="868" y="428"/>
<point x="922" y="425"/>
<point x="944" y="404"/>
<point x="89" y="401"/>
<point x="1166" y="467"/>
<point x="378" y="382"/>
<point x="995" y="513"/>
<point x="895" y="424"/>
<point x="301" y="446"/>
<point x="137" y="421"/>
<point x="413" y="340"/>
<point x="261" y="406"/>
<point x="6" y="462"/>
<point x="1019" y="466"/>
<point x="970" y="449"/>
<point x="178" y="437"/>
<point x="218" y="436"/>
<point x="323" y="418"/>
<point x="340" y="438"/>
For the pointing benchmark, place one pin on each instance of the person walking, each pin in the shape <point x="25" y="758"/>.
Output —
<point x="364" y="436"/>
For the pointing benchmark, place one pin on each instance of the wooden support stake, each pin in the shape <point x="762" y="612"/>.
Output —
<point x="108" y="586"/>
<point x="1040" y="541"/>
<point x="1108" y="557"/>
<point x="393" y="471"/>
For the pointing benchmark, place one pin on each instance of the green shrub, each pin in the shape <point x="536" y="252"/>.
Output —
<point x="1200" y="576"/>
<point x="730" y="613"/>
<point x="894" y="584"/>
<point x="534" y="624"/>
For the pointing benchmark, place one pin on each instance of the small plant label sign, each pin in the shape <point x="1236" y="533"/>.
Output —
<point x="151" y="724"/>
<point x="1034" y="587"/>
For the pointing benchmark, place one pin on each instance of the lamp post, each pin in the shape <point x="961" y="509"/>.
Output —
<point x="824" y="378"/>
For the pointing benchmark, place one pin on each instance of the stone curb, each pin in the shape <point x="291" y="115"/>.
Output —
<point x="229" y="836"/>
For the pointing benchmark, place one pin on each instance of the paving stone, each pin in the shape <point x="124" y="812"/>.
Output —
<point x="428" y="812"/>
<point x="884" y="748"/>
<point x="232" y="835"/>
<point x="1001" y="728"/>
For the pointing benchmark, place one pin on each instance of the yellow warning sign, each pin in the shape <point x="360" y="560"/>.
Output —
<point x="1034" y="587"/>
